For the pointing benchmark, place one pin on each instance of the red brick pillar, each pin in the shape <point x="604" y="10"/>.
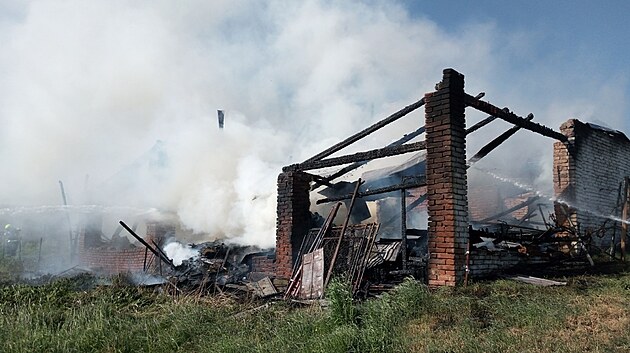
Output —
<point x="293" y="219"/>
<point x="564" y="175"/>
<point x="446" y="180"/>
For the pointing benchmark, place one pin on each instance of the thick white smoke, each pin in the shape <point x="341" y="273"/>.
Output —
<point x="88" y="88"/>
<point x="179" y="252"/>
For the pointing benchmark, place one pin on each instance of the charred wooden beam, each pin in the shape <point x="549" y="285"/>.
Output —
<point x="481" y="124"/>
<point x="356" y="137"/>
<point x="513" y="118"/>
<point x="146" y="245"/>
<point x="157" y="247"/>
<point x="357" y="157"/>
<point x="343" y="231"/>
<point x="496" y="142"/>
<point x="403" y="227"/>
<point x="419" y="182"/>
<point x="353" y="166"/>
<point x="320" y="180"/>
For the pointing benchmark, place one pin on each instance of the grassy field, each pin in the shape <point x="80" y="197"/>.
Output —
<point x="590" y="314"/>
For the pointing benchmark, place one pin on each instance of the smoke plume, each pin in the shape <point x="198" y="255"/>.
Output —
<point x="89" y="88"/>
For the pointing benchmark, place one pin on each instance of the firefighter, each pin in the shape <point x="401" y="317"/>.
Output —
<point x="12" y="239"/>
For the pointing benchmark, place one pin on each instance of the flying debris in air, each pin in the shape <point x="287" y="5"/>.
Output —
<point x="221" y="118"/>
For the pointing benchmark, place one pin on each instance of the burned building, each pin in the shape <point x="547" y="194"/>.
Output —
<point x="420" y="217"/>
<point x="590" y="166"/>
<point x="116" y="254"/>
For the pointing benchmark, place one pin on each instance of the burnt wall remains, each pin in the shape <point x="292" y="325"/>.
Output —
<point x="293" y="219"/>
<point x="110" y="258"/>
<point x="588" y="172"/>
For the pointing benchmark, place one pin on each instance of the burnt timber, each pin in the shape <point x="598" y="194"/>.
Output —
<point x="356" y="137"/>
<point x="513" y="118"/>
<point x="357" y="157"/>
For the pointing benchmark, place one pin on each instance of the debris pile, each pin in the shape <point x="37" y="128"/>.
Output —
<point x="216" y="268"/>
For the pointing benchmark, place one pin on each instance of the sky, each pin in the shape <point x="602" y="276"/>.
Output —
<point x="588" y="41"/>
<point x="118" y="99"/>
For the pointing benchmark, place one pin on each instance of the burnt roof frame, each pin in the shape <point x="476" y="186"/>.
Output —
<point x="506" y="115"/>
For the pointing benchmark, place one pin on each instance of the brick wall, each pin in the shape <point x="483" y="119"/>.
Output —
<point x="111" y="261"/>
<point x="108" y="259"/>
<point x="485" y="263"/>
<point x="446" y="180"/>
<point x="263" y="265"/>
<point x="587" y="174"/>
<point x="293" y="219"/>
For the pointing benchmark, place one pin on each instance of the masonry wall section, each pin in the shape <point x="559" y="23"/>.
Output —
<point x="446" y="180"/>
<point x="293" y="219"/>
<point x="111" y="260"/>
<point x="588" y="172"/>
<point x="484" y="263"/>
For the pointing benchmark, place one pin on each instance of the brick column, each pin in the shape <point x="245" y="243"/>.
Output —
<point x="293" y="219"/>
<point x="446" y="180"/>
<point x="564" y="176"/>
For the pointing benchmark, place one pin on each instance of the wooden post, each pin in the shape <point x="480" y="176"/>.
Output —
<point x="624" y="217"/>
<point x="403" y="227"/>
<point x="39" y="256"/>
<point x="343" y="230"/>
<point x="65" y="203"/>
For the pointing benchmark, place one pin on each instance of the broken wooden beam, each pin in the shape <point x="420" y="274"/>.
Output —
<point x="513" y="118"/>
<point x="496" y="142"/>
<point x="419" y="182"/>
<point x="357" y="157"/>
<point x="138" y="238"/>
<point x="481" y="124"/>
<point x="353" y="166"/>
<point x="356" y="137"/>
<point x="319" y="180"/>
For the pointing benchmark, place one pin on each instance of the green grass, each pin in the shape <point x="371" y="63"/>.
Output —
<point x="590" y="314"/>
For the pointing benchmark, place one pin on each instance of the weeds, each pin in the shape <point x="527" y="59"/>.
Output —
<point x="590" y="314"/>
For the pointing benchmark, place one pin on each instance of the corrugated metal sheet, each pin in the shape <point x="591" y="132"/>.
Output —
<point x="383" y="252"/>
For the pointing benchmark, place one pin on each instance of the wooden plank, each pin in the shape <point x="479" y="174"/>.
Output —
<point x="538" y="281"/>
<point x="307" y="276"/>
<point x="266" y="287"/>
<point x="317" y="283"/>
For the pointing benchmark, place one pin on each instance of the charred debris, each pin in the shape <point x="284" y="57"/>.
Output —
<point x="386" y="224"/>
<point x="377" y="246"/>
